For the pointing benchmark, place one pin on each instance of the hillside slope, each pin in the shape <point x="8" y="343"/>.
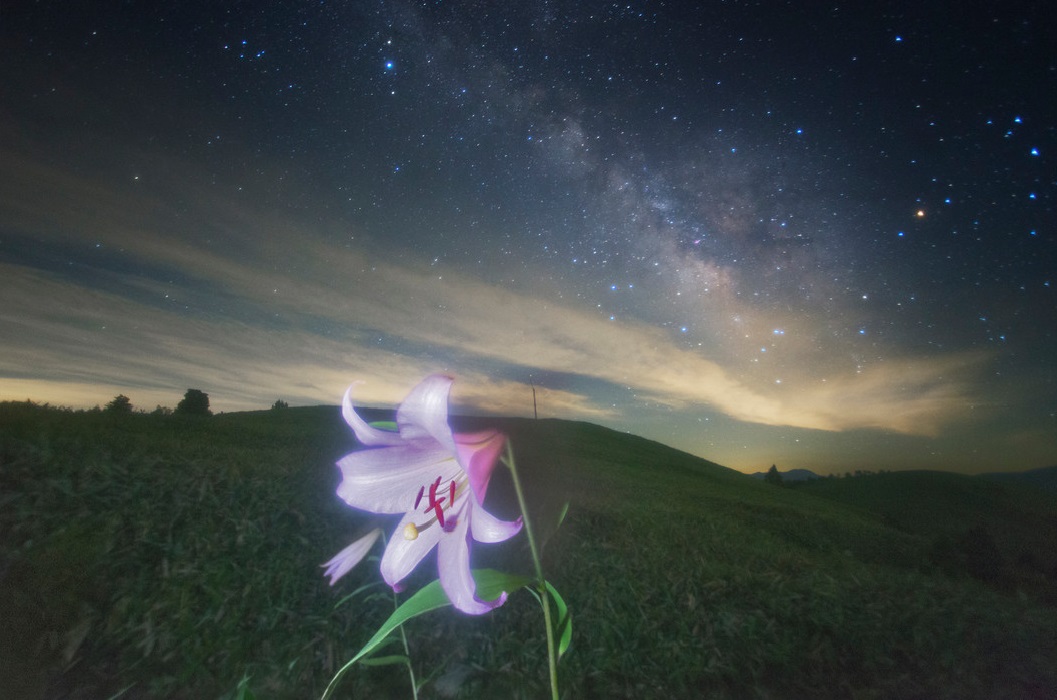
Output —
<point x="1004" y="533"/>
<point x="175" y="557"/>
<point x="1044" y="477"/>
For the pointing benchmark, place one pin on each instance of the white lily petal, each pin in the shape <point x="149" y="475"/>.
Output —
<point x="488" y="528"/>
<point x="365" y="433"/>
<point x="346" y="559"/>
<point x="453" y="560"/>
<point x="424" y="413"/>
<point x="403" y="555"/>
<point x="387" y="480"/>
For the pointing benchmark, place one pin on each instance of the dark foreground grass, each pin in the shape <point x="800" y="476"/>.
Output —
<point x="151" y="557"/>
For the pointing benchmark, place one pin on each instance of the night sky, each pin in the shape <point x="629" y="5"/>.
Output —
<point x="816" y="235"/>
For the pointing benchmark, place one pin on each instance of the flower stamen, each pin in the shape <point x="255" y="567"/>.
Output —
<point x="437" y="504"/>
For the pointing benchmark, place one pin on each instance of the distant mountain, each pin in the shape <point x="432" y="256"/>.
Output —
<point x="1044" y="478"/>
<point x="791" y="475"/>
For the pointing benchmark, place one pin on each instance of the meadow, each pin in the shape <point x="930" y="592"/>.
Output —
<point x="153" y="556"/>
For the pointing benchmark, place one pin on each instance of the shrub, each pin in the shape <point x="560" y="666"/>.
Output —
<point x="194" y="403"/>
<point x="119" y="404"/>
<point x="772" y="476"/>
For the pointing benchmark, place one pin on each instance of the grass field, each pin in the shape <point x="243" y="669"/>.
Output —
<point x="147" y="556"/>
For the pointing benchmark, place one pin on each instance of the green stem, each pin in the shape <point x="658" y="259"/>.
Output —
<point x="407" y="653"/>
<point x="541" y="582"/>
<point x="403" y="637"/>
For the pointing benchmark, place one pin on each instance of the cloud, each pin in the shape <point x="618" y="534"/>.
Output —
<point x="301" y="316"/>
<point x="83" y="336"/>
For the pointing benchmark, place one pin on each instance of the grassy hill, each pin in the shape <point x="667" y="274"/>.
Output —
<point x="1044" y="478"/>
<point x="1004" y="533"/>
<point x="148" y="557"/>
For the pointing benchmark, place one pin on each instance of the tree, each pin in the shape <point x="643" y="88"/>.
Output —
<point x="279" y="405"/>
<point x="119" y="404"/>
<point x="194" y="403"/>
<point x="772" y="476"/>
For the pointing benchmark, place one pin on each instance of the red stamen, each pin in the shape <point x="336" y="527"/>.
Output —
<point x="434" y="503"/>
<point x="433" y="493"/>
<point x="418" y="498"/>
<point x="451" y="494"/>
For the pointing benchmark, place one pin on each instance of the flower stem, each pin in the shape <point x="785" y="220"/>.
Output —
<point x="403" y="638"/>
<point x="407" y="653"/>
<point x="541" y="582"/>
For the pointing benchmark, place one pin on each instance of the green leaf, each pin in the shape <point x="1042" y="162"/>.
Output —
<point x="490" y="584"/>
<point x="355" y="593"/>
<point x="242" y="691"/>
<point x="124" y="690"/>
<point x="386" y="660"/>
<point x="561" y="516"/>
<point x="383" y="596"/>
<point x="564" y="630"/>
<point x="389" y="425"/>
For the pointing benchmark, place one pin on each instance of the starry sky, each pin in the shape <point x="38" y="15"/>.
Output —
<point x="819" y="235"/>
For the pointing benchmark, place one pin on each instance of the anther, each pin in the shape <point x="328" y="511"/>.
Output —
<point x="436" y="505"/>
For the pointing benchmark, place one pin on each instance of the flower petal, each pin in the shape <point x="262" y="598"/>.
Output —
<point x="478" y="454"/>
<point x="424" y="413"/>
<point x="453" y="560"/>
<point x="488" y="528"/>
<point x="365" y="433"/>
<point x="387" y="479"/>
<point x="346" y="559"/>
<point x="403" y="555"/>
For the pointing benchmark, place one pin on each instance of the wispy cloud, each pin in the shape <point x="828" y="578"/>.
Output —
<point x="279" y="310"/>
<point x="83" y="335"/>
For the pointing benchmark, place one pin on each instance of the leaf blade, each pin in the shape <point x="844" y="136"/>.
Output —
<point x="490" y="583"/>
<point x="564" y="630"/>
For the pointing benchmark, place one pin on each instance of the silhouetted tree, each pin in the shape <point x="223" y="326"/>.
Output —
<point x="772" y="476"/>
<point x="279" y="405"/>
<point x="194" y="403"/>
<point x="119" y="404"/>
<point x="160" y="410"/>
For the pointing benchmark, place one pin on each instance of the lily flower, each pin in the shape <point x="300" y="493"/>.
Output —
<point x="346" y="559"/>
<point x="437" y="479"/>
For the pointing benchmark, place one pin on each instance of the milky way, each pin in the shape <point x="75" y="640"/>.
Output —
<point x="819" y="237"/>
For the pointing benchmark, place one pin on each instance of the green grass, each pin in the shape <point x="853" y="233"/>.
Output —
<point x="148" y="557"/>
<point x="1001" y="533"/>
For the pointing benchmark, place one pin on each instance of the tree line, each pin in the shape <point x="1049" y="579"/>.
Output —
<point x="194" y="403"/>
